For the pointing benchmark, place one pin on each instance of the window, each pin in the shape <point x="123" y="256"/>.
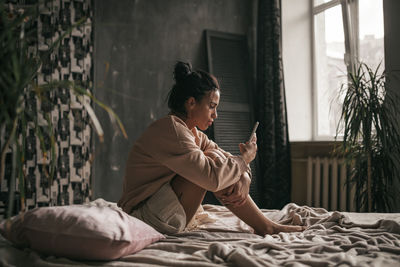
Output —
<point x="345" y="32"/>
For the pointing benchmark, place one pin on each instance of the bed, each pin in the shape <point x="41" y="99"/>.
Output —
<point x="218" y="238"/>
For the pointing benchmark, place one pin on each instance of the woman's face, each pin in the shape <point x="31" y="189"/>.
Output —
<point x="202" y="114"/>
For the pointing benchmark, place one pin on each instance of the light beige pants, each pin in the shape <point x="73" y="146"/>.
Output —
<point x="162" y="211"/>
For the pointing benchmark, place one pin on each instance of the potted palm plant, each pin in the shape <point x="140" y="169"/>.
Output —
<point x="371" y="138"/>
<point x="18" y="82"/>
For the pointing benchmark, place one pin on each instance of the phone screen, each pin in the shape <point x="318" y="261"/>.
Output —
<point x="254" y="130"/>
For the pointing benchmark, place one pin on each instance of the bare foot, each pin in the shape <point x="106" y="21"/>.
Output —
<point x="277" y="228"/>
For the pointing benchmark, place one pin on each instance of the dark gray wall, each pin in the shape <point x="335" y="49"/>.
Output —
<point x="136" y="45"/>
<point x="391" y="9"/>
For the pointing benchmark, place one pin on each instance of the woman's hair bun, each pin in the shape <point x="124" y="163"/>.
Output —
<point x="188" y="84"/>
<point x="181" y="71"/>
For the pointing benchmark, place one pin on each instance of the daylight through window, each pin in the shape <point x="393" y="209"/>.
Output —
<point x="345" y="32"/>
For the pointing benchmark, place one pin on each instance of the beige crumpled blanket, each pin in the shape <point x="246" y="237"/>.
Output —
<point x="332" y="239"/>
<point x="218" y="238"/>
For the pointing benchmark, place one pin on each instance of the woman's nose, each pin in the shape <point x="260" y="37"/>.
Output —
<point x="215" y="115"/>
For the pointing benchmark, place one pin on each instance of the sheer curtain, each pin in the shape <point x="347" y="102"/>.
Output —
<point x="273" y="138"/>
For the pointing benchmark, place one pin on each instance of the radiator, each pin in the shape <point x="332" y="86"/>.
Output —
<point x="326" y="184"/>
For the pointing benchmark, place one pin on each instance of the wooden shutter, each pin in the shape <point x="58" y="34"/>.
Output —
<point x="228" y="61"/>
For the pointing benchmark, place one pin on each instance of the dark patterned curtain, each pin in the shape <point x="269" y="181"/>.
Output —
<point x="72" y="179"/>
<point x="273" y="139"/>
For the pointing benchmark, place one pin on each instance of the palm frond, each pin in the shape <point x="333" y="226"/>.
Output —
<point x="370" y="135"/>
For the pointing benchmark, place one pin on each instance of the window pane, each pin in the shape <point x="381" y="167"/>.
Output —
<point x="371" y="33"/>
<point x="319" y="2"/>
<point x="330" y="69"/>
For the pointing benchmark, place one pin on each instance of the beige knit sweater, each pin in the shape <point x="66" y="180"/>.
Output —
<point x="169" y="148"/>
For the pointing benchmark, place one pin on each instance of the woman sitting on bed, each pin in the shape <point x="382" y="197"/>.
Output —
<point x="173" y="164"/>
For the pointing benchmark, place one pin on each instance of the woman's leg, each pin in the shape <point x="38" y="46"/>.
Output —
<point x="189" y="194"/>
<point x="252" y="215"/>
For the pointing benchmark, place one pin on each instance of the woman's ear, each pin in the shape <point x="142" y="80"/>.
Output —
<point x="190" y="103"/>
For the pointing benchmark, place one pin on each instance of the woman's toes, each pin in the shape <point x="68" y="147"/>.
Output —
<point x="290" y="228"/>
<point x="278" y="228"/>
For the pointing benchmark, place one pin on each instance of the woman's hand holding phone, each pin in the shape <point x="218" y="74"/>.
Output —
<point x="249" y="149"/>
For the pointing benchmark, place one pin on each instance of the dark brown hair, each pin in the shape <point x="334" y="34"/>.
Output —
<point x="188" y="84"/>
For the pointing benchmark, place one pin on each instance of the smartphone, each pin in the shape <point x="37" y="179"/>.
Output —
<point x="254" y="130"/>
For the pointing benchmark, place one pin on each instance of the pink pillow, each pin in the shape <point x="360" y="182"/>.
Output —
<point x="95" y="231"/>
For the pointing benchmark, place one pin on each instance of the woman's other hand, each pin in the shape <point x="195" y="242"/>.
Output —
<point x="236" y="194"/>
<point x="249" y="149"/>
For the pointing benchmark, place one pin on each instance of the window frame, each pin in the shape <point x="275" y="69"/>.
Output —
<point x="350" y="21"/>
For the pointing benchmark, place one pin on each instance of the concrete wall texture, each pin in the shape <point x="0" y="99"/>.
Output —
<point x="136" y="46"/>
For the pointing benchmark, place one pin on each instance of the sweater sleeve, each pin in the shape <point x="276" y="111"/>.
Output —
<point x="176" y="148"/>
<point x="209" y="144"/>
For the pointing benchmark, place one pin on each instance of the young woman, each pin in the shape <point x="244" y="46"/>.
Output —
<point x="173" y="164"/>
